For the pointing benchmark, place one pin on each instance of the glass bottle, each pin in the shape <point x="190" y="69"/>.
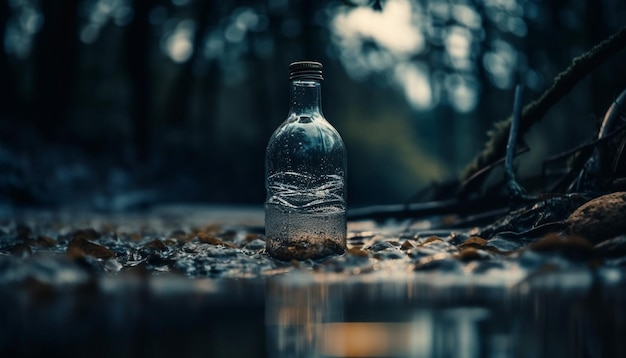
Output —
<point x="305" y="176"/>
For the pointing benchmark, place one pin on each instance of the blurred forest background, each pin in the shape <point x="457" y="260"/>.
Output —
<point x="119" y="104"/>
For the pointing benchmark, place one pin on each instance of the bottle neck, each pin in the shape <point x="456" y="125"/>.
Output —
<point x="306" y="97"/>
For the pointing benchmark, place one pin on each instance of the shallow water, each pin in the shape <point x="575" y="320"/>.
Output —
<point x="196" y="282"/>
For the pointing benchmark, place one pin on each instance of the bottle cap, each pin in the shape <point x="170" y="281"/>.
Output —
<point x="305" y="70"/>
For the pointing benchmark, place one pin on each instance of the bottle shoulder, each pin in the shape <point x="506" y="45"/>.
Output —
<point x="299" y="136"/>
<point x="312" y="126"/>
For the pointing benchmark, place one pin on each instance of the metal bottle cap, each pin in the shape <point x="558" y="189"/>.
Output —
<point x="305" y="70"/>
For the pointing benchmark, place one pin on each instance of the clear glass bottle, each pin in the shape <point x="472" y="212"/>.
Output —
<point x="305" y="176"/>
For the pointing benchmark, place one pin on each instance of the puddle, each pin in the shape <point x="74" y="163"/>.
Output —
<point x="193" y="283"/>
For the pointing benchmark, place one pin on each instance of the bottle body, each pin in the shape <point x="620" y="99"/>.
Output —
<point x="305" y="207"/>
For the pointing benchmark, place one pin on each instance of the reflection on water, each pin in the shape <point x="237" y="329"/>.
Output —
<point x="305" y="314"/>
<point x="306" y="317"/>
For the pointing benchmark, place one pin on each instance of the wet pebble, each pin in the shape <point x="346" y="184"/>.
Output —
<point x="481" y="267"/>
<point x="439" y="245"/>
<point x="380" y="245"/>
<point x="112" y="265"/>
<point x="156" y="245"/>
<point x="79" y="247"/>
<point x="420" y="252"/>
<point x="389" y="254"/>
<point x="356" y="252"/>
<point x="503" y="244"/>
<point x="236" y="252"/>
<point x="255" y="245"/>
<point x="45" y="241"/>
<point x="473" y="254"/>
<point x="474" y="241"/>
<point x="407" y="245"/>
<point x="440" y="262"/>
<point x="572" y="246"/>
<point x="212" y="240"/>
<point x="212" y="251"/>
<point x="612" y="248"/>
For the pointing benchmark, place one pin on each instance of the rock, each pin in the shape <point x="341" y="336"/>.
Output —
<point x="156" y="245"/>
<point x="407" y="245"/>
<point x="439" y="245"/>
<point x="212" y="240"/>
<point x="503" y="245"/>
<point x="601" y="218"/>
<point x="80" y="247"/>
<point x="112" y="265"/>
<point x="573" y="246"/>
<point x="357" y="252"/>
<point x="474" y="241"/>
<point x="472" y="254"/>
<point x="255" y="245"/>
<point x="440" y="262"/>
<point x="380" y="245"/>
<point x="612" y="248"/>
<point x="45" y="241"/>
<point x="430" y="239"/>
<point x="389" y="254"/>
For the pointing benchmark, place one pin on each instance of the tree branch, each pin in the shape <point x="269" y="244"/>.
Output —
<point x="534" y="111"/>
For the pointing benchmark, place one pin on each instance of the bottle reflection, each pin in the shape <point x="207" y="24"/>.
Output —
<point x="295" y="314"/>
<point x="308" y="318"/>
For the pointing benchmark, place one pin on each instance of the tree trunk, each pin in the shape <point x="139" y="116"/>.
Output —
<point x="139" y="71"/>
<point x="55" y="55"/>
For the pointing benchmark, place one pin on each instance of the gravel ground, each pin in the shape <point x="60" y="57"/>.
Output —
<point x="198" y="277"/>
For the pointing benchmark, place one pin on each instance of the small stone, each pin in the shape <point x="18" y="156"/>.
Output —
<point x="601" y="218"/>
<point x="571" y="245"/>
<point x="440" y="245"/>
<point x="407" y="245"/>
<point x="80" y="247"/>
<point x="472" y="254"/>
<point x="156" y="245"/>
<point x="255" y="245"/>
<point x="421" y="252"/>
<point x="380" y="245"/>
<point x="502" y="244"/>
<point x="212" y="240"/>
<point x="112" y="265"/>
<point x="389" y="254"/>
<point x="612" y="248"/>
<point x="45" y="241"/>
<point x="431" y="239"/>
<point x="440" y="262"/>
<point x="479" y="267"/>
<point x="474" y="241"/>
<point x="357" y="252"/>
